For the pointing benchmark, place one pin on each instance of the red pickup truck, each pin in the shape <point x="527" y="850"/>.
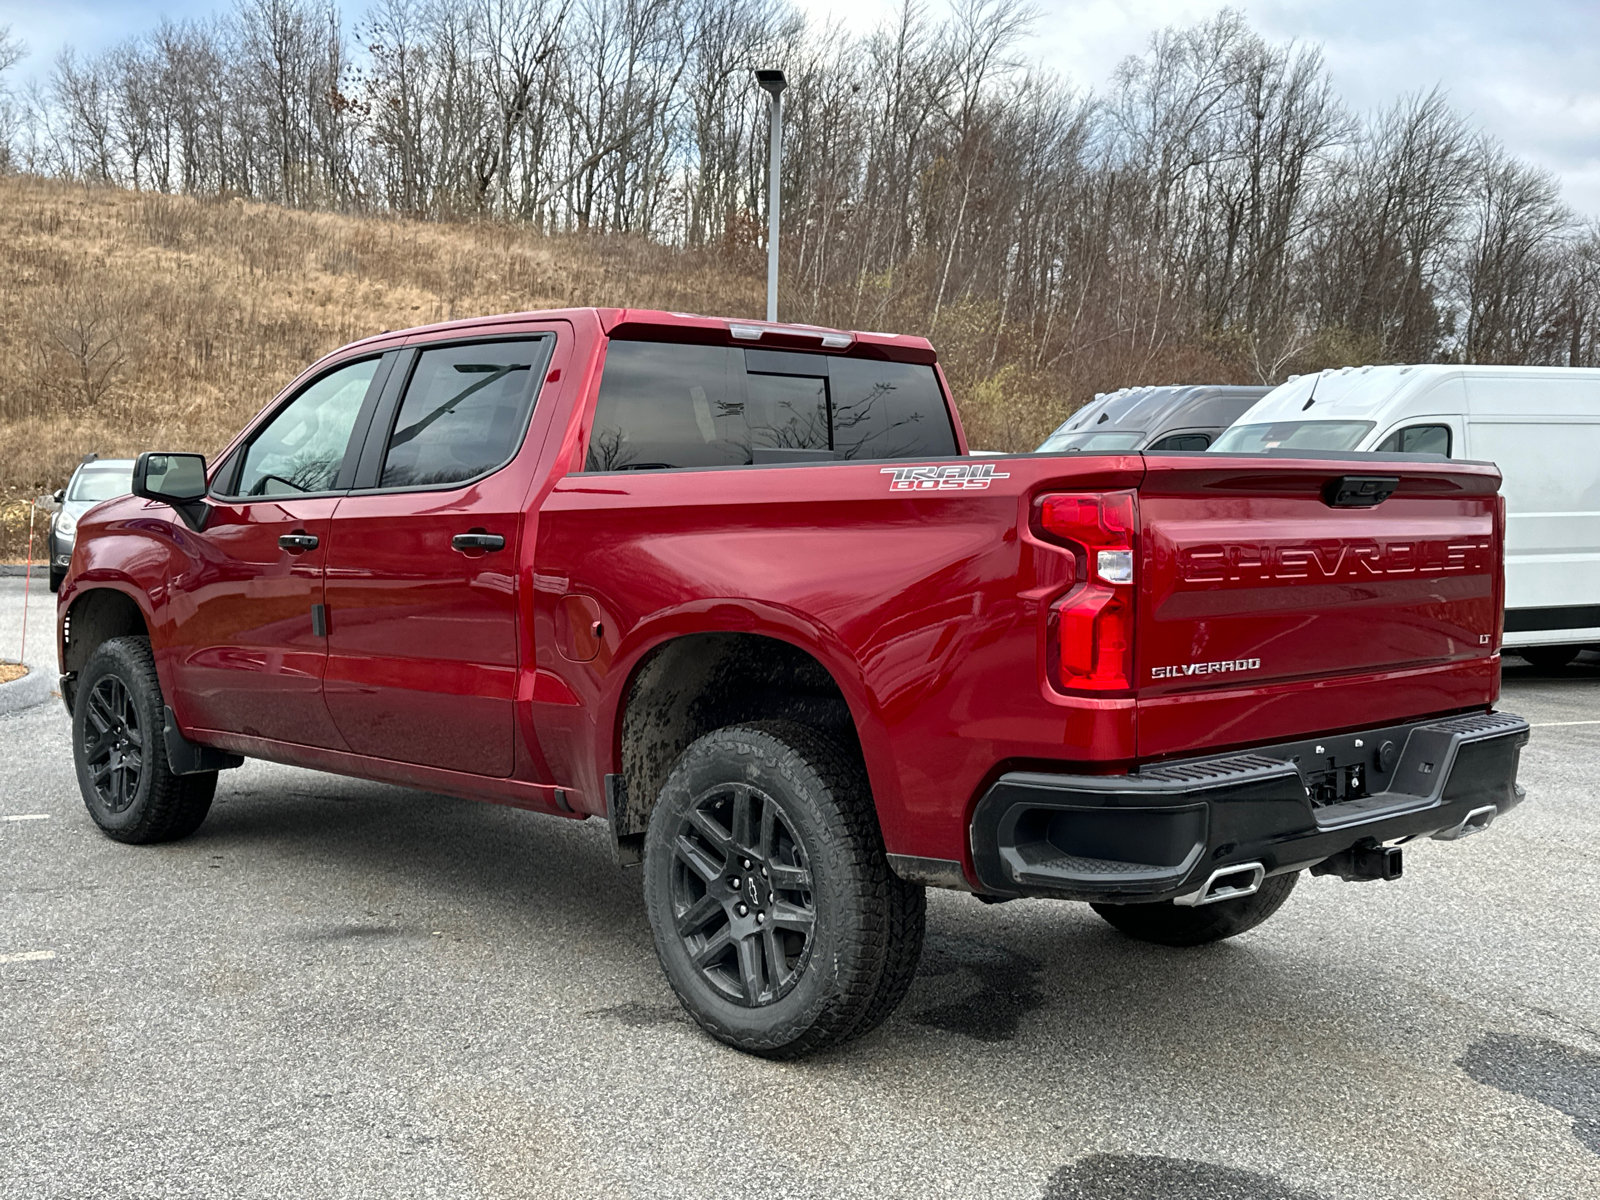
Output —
<point x="740" y="590"/>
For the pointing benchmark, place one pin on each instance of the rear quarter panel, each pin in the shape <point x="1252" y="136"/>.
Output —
<point x="926" y="607"/>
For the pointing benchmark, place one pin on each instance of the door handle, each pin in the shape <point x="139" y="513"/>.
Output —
<point x="466" y="542"/>
<point x="297" y="543"/>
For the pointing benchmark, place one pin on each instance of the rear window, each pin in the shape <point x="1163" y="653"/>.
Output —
<point x="1291" y="435"/>
<point x="665" y="405"/>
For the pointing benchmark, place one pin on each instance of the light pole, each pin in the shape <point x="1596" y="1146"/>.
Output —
<point x="773" y="83"/>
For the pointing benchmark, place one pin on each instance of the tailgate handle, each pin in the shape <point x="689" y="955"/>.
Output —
<point x="1359" y="491"/>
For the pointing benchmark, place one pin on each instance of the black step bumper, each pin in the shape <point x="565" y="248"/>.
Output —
<point x="1165" y="831"/>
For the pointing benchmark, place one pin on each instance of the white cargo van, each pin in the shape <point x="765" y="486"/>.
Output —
<point x="1540" y="425"/>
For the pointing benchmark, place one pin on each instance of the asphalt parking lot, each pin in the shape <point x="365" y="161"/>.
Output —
<point x="343" y="989"/>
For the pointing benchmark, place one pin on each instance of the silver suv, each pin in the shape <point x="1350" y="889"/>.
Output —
<point x="96" y="479"/>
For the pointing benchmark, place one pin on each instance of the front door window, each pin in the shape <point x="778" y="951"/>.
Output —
<point x="302" y="448"/>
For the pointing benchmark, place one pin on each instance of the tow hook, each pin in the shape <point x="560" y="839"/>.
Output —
<point x="1367" y="860"/>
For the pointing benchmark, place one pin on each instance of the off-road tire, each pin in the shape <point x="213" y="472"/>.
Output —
<point x="867" y="924"/>
<point x="1549" y="659"/>
<point x="117" y="730"/>
<point x="1169" y="924"/>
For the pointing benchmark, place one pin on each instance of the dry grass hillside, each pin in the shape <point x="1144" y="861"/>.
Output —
<point x="135" y="321"/>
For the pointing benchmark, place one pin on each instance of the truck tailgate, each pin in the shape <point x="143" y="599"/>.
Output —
<point x="1266" y="611"/>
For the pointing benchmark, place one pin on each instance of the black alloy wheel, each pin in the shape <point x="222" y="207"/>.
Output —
<point x="116" y="754"/>
<point x="119" y="748"/>
<point x="776" y="918"/>
<point x="741" y="894"/>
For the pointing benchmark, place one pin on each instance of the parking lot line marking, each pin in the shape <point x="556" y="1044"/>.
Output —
<point x="27" y="817"/>
<point x="1553" y="724"/>
<point x="28" y="956"/>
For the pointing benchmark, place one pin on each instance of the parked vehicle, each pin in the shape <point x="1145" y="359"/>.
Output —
<point x="1539" y="425"/>
<point x="739" y="589"/>
<point x="1158" y="419"/>
<point x="94" y="480"/>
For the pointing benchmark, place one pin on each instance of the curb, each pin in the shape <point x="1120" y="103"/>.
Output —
<point x="19" y="570"/>
<point x="33" y="688"/>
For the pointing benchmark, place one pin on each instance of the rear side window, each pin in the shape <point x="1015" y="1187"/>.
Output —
<point x="465" y="411"/>
<point x="664" y="405"/>
<point x="1418" y="439"/>
<point x="1181" y="441"/>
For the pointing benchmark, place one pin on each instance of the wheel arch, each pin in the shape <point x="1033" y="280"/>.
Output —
<point x="95" y="615"/>
<point x="687" y="682"/>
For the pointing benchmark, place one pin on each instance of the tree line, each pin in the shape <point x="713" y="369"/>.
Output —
<point x="1216" y="193"/>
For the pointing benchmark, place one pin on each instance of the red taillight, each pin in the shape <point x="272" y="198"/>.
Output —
<point x="1093" y="623"/>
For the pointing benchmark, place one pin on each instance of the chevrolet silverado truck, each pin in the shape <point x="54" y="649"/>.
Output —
<point x="739" y="590"/>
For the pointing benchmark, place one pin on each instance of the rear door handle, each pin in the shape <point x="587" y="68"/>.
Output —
<point x="297" y="543"/>
<point x="466" y="542"/>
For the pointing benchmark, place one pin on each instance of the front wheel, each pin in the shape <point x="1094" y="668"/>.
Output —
<point x="777" y="920"/>
<point x="1169" y="924"/>
<point x="117" y="743"/>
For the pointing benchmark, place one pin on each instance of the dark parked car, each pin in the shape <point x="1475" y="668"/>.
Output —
<point x="1157" y="419"/>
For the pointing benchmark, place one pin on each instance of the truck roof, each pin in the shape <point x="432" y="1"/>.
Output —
<point x="659" y="325"/>
<point x="1363" y="390"/>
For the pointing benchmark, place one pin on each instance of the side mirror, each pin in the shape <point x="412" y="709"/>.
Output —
<point x="175" y="479"/>
<point x="59" y="495"/>
<point x="170" y="478"/>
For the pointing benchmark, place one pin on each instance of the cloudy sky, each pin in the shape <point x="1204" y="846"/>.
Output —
<point x="1527" y="70"/>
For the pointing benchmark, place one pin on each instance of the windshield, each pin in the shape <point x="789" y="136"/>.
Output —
<point x="101" y="483"/>
<point x="1091" y="442"/>
<point x="1291" y="435"/>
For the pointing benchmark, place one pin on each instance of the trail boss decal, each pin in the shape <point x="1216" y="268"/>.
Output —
<point x="968" y="477"/>
<point x="1206" y="668"/>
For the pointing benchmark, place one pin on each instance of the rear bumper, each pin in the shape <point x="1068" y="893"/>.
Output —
<point x="1164" y="832"/>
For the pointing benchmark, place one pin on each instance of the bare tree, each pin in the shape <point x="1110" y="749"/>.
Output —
<point x="1216" y="206"/>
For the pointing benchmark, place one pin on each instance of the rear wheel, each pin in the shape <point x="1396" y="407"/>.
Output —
<point x="1549" y="658"/>
<point x="1169" y="924"/>
<point x="117" y="742"/>
<point x="777" y="920"/>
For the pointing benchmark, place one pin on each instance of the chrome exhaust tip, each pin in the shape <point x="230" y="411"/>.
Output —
<point x="1475" y="821"/>
<point x="1226" y="883"/>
